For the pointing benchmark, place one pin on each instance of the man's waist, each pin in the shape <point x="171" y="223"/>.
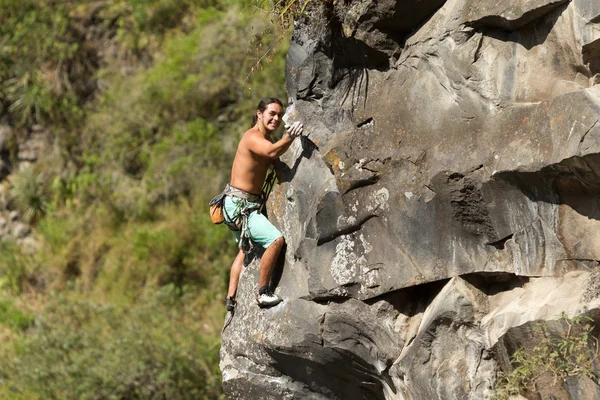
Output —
<point x="241" y="194"/>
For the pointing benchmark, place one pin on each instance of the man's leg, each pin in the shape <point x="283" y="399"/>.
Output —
<point x="265" y="296"/>
<point x="234" y="276"/>
<point x="268" y="261"/>
<point x="266" y="235"/>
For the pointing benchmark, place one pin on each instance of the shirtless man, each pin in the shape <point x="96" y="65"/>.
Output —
<point x="254" y="155"/>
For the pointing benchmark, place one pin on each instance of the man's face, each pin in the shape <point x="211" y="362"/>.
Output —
<point x="271" y="117"/>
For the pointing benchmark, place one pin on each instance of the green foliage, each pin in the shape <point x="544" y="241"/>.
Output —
<point x="43" y="66"/>
<point x="556" y="358"/>
<point x="154" y="349"/>
<point x="179" y="246"/>
<point x="283" y="12"/>
<point x="140" y="23"/>
<point x="166" y="131"/>
<point x="15" y="267"/>
<point x="182" y="247"/>
<point x="12" y="317"/>
<point x="47" y="62"/>
<point x="28" y="192"/>
<point x="146" y="100"/>
<point x="193" y="153"/>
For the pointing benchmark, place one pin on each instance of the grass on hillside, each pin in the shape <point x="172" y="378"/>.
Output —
<point x="123" y="297"/>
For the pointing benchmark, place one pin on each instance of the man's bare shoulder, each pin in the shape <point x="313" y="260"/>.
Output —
<point x="245" y="136"/>
<point x="252" y="138"/>
<point x="249" y="135"/>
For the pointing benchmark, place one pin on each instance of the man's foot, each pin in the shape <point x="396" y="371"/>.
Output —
<point x="268" y="299"/>
<point x="230" y="304"/>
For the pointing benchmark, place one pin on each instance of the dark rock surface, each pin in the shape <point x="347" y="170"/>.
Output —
<point x="445" y="196"/>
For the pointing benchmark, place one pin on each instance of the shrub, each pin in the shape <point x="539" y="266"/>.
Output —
<point x="169" y="129"/>
<point x="556" y="358"/>
<point x="28" y="192"/>
<point x="43" y="68"/>
<point x="83" y="350"/>
<point x="16" y="267"/>
<point x="12" y="317"/>
<point x="182" y="247"/>
<point x="125" y="214"/>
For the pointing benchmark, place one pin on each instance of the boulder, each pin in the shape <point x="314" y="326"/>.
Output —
<point x="444" y="199"/>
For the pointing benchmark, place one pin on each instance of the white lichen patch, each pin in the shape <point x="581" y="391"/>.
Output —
<point x="339" y="291"/>
<point x="370" y="276"/>
<point x="350" y="264"/>
<point x="345" y="264"/>
<point x="289" y="228"/>
<point x="381" y="197"/>
<point x="343" y="221"/>
<point x="361" y="163"/>
<point x="366" y="245"/>
<point x="379" y="200"/>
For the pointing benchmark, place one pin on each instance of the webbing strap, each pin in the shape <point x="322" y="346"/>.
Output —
<point x="267" y="188"/>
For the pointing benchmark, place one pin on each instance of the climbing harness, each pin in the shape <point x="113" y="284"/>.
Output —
<point x="246" y="204"/>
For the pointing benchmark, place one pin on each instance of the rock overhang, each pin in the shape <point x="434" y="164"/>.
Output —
<point x="446" y="197"/>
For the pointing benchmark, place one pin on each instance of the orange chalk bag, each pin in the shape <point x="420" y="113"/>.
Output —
<point x="216" y="209"/>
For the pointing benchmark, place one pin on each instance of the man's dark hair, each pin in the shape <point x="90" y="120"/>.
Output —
<point x="262" y="106"/>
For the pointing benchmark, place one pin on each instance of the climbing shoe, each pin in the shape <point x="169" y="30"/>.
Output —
<point x="230" y="303"/>
<point x="266" y="298"/>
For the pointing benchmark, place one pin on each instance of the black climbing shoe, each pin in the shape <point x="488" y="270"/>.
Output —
<point x="230" y="303"/>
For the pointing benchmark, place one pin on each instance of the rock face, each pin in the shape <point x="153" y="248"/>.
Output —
<point x="444" y="200"/>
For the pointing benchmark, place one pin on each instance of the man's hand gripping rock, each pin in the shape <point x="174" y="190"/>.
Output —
<point x="294" y="130"/>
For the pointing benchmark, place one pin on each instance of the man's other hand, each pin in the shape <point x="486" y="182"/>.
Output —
<point x="294" y="130"/>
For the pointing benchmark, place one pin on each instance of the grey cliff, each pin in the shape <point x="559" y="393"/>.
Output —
<point x="444" y="200"/>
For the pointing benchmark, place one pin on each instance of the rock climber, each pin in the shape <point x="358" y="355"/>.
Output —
<point x="245" y="195"/>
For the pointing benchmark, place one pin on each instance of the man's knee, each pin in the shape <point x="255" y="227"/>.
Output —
<point x="240" y="256"/>
<point x="277" y="242"/>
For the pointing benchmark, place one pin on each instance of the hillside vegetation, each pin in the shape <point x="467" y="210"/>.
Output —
<point x="144" y="102"/>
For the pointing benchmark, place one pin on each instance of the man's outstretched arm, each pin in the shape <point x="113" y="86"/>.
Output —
<point x="265" y="148"/>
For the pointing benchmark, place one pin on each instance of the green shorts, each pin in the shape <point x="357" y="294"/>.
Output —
<point x="261" y="230"/>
